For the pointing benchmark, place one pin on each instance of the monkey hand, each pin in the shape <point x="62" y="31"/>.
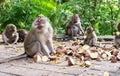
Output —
<point x="53" y="52"/>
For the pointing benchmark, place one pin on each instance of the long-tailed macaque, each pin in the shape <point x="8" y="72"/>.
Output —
<point x="38" y="40"/>
<point x="22" y="34"/>
<point x="10" y="35"/>
<point x="91" y="37"/>
<point x="117" y="37"/>
<point x="73" y="27"/>
<point x="118" y="27"/>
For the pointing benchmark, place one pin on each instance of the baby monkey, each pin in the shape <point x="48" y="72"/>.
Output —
<point x="10" y="35"/>
<point x="73" y="27"/>
<point x="91" y="37"/>
<point x="117" y="37"/>
<point x="22" y="34"/>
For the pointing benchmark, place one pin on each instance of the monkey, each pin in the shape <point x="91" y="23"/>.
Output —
<point x="72" y="31"/>
<point x="73" y="27"/>
<point x="91" y="37"/>
<point x="38" y="39"/>
<point x="117" y="37"/>
<point x="10" y="35"/>
<point x="118" y="27"/>
<point x="22" y="34"/>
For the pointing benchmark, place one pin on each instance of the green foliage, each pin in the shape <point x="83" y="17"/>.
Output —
<point x="103" y="15"/>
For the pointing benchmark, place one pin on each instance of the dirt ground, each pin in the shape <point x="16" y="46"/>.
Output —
<point x="27" y="67"/>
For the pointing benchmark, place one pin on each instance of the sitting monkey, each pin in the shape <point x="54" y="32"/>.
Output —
<point x="22" y="34"/>
<point x="117" y="37"/>
<point x="10" y="35"/>
<point x="91" y="37"/>
<point x="39" y="38"/>
<point x="73" y="27"/>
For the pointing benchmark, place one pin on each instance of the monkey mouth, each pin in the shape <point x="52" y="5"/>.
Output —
<point x="75" y="21"/>
<point x="40" y="27"/>
<point x="11" y="29"/>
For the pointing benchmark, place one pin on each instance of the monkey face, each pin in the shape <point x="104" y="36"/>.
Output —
<point x="75" y="18"/>
<point x="41" y="23"/>
<point x="89" y="30"/>
<point x="11" y="28"/>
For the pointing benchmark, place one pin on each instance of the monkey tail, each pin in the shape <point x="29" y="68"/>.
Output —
<point x="13" y="58"/>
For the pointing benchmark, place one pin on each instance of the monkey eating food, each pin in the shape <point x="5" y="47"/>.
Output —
<point x="10" y="35"/>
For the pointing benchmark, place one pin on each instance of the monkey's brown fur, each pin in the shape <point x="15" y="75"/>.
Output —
<point x="22" y="34"/>
<point x="118" y="27"/>
<point x="117" y="37"/>
<point x="91" y="37"/>
<point x="10" y="34"/>
<point x="73" y="27"/>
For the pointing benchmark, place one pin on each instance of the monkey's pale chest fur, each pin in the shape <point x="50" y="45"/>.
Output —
<point x="42" y="35"/>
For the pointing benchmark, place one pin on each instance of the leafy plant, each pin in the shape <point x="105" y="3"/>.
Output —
<point x="103" y="15"/>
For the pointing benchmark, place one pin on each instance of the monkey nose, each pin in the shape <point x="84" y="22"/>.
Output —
<point x="39" y="26"/>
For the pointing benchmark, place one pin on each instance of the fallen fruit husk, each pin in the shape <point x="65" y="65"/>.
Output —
<point x="70" y="61"/>
<point x="44" y="58"/>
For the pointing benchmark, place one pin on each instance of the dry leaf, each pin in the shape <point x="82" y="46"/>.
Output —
<point x="58" y="62"/>
<point x="94" y="55"/>
<point x="59" y="51"/>
<point x="98" y="59"/>
<point x="87" y="63"/>
<point x="53" y="58"/>
<point x="86" y="47"/>
<point x="75" y="44"/>
<point x="108" y="55"/>
<point x="31" y="61"/>
<point x="106" y="74"/>
<point x="81" y="50"/>
<point x="104" y="56"/>
<point x="118" y="56"/>
<point x="52" y="62"/>
<point x="114" y="59"/>
<point x="114" y="52"/>
<point x="45" y="75"/>
<point x="70" y="61"/>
